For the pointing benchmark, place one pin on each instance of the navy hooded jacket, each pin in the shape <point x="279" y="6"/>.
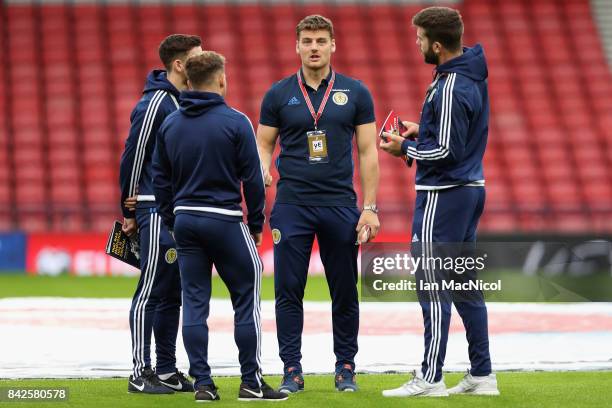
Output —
<point x="454" y="125"/>
<point x="203" y="152"/>
<point x="159" y="99"/>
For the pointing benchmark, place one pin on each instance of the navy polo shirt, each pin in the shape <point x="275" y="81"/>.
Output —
<point x="321" y="184"/>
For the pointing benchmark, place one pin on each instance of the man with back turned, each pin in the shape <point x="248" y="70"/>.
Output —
<point x="205" y="152"/>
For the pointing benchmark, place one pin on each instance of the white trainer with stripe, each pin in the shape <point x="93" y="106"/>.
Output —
<point x="418" y="387"/>
<point x="471" y="385"/>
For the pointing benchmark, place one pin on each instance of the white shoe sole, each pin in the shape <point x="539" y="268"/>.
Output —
<point x="437" y="394"/>
<point x="492" y="393"/>
<point x="148" y="393"/>
<point x="261" y="400"/>
<point x="288" y="392"/>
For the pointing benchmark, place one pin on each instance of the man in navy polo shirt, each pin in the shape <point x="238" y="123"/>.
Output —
<point x="316" y="112"/>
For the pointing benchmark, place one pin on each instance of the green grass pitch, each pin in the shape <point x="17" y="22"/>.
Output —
<point x="19" y="285"/>
<point x="533" y="389"/>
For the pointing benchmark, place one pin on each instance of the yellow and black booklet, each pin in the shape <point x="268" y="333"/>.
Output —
<point x="122" y="247"/>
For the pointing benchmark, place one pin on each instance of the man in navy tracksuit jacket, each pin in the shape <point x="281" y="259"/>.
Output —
<point x="204" y="152"/>
<point x="157" y="300"/>
<point x="449" y="149"/>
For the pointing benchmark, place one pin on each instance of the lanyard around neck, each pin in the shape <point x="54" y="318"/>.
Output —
<point x="330" y="85"/>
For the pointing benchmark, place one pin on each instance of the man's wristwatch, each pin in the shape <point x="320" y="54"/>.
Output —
<point x="371" y="207"/>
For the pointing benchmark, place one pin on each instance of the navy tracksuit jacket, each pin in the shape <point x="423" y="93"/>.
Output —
<point x="204" y="153"/>
<point x="450" y="200"/>
<point x="157" y="301"/>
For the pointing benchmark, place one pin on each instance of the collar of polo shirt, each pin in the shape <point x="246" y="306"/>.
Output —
<point x="324" y="81"/>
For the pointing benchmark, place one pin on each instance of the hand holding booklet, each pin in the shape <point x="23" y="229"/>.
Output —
<point x="393" y="124"/>
<point x="122" y="247"/>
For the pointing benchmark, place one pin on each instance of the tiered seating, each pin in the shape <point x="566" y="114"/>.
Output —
<point x="26" y="113"/>
<point x="545" y="117"/>
<point x="75" y="72"/>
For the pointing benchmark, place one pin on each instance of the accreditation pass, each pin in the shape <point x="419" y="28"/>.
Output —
<point x="317" y="147"/>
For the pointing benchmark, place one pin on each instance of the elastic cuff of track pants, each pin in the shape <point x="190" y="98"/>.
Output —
<point x="165" y="369"/>
<point x="340" y="364"/>
<point x="206" y="381"/>
<point x="480" y="374"/>
<point x="251" y="382"/>
<point x="297" y="366"/>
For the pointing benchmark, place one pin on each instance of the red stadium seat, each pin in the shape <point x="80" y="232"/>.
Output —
<point x="66" y="194"/>
<point x="30" y="195"/>
<point x="64" y="156"/>
<point x="67" y="220"/>
<point x="5" y="189"/>
<point x="33" y="222"/>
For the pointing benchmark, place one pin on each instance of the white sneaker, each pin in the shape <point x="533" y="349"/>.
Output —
<point x="485" y="385"/>
<point x="418" y="387"/>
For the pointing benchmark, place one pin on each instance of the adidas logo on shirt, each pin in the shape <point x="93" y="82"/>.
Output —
<point x="293" y="101"/>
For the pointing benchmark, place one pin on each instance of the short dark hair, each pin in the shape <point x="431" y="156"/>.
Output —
<point x="441" y="24"/>
<point x="315" y="22"/>
<point x="177" y="46"/>
<point x="201" y="68"/>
